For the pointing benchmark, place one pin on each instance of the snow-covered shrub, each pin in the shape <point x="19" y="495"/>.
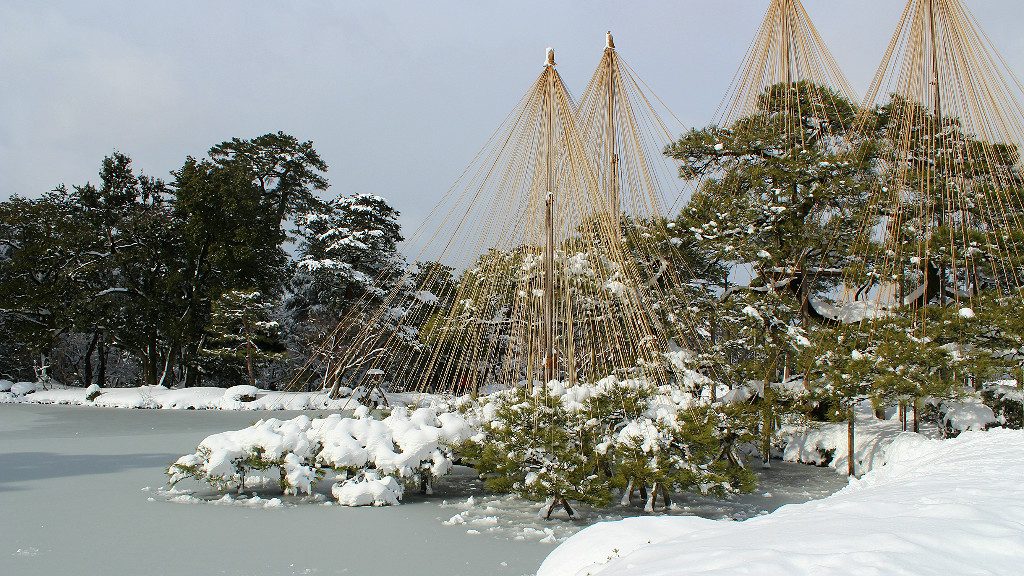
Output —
<point x="368" y="489"/>
<point x="539" y="442"/>
<point x="92" y="392"/>
<point x="1006" y="401"/>
<point x="5" y="385"/>
<point x="687" y="449"/>
<point x="578" y="442"/>
<point x="224" y="460"/>
<point x="968" y="413"/>
<point x="361" y="450"/>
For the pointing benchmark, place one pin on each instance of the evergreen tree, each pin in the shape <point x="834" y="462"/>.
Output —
<point x="349" y="254"/>
<point x="242" y="330"/>
<point x="780" y="187"/>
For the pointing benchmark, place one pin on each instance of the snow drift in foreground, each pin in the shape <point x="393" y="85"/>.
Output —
<point x="933" y="507"/>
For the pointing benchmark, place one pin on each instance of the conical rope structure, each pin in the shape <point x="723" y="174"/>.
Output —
<point x="943" y="224"/>
<point x="522" y="273"/>
<point x="782" y="156"/>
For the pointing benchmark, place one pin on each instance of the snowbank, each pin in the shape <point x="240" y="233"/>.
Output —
<point x="824" y="444"/>
<point x="198" y="398"/>
<point x="935" y="507"/>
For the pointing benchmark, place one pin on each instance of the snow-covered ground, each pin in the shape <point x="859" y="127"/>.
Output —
<point x="83" y="488"/>
<point x="198" y="398"/>
<point x="822" y="443"/>
<point x="929" y="507"/>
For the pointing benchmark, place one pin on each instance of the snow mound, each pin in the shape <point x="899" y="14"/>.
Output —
<point x="967" y="414"/>
<point x="23" y="388"/>
<point x="5" y="385"/>
<point x="368" y="490"/>
<point x="824" y="444"/>
<point x="930" y="507"/>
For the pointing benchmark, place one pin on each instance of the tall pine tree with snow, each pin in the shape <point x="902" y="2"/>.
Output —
<point x="242" y="333"/>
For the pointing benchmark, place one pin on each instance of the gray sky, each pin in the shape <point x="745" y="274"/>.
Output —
<point x="397" y="96"/>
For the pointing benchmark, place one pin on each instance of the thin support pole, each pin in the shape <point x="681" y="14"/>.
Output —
<point x="937" y="100"/>
<point x="549" y="229"/>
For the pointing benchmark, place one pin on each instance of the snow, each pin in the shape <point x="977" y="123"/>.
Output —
<point x="850" y="312"/>
<point x="197" y="398"/>
<point x="404" y="444"/>
<point x="967" y="414"/>
<point x="368" y="490"/>
<point x="616" y="288"/>
<point x="933" y="507"/>
<point x="824" y="444"/>
<point x="22" y="388"/>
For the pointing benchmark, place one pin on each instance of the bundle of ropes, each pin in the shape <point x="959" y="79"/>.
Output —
<point x="537" y="264"/>
<point x="943" y="224"/>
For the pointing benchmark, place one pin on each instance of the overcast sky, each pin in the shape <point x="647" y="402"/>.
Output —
<point x="397" y="96"/>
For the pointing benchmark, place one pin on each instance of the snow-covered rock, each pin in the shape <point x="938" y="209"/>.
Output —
<point x="92" y="392"/>
<point x="931" y="507"/>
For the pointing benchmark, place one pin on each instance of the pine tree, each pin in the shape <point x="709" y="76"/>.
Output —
<point x="241" y="329"/>
<point x="779" y="187"/>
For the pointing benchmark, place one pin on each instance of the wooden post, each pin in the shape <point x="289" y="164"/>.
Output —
<point x="613" y="176"/>
<point x="850" y="451"/>
<point x="549" y="231"/>
<point x="937" y="103"/>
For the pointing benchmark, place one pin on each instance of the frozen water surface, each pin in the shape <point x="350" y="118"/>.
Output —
<point x="82" y="488"/>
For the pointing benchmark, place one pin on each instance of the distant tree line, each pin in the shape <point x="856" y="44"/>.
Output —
<point x="227" y="272"/>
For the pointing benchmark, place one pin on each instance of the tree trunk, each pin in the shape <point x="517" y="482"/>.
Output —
<point x="767" y="424"/>
<point x="850" y="450"/>
<point x="101" y="375"/>
<point x="555" y="501"/>
<point x="627" y="494"/>
<point x="150" y="365"/>
<point x="917" y="426"/>
<point x="43" y="375"/>
<point x="568" y="509"/>
<point x="903" y="415"/>
<point x="87" y="369"/>
<point x="653" y="500"/>
<point x="248" y="359"/>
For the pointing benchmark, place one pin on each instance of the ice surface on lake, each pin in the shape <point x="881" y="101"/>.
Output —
<point x="84" y="489"/>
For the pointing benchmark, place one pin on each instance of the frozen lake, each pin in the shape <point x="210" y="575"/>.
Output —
<point x="80" y="489"/>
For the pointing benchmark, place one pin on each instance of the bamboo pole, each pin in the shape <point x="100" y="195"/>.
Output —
<point x="548" y="344"/>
